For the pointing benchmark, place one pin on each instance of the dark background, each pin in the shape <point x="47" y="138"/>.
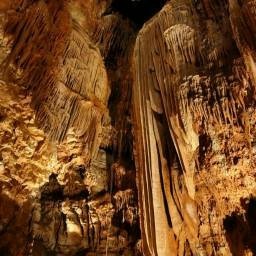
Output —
<point x="138" y="11"/>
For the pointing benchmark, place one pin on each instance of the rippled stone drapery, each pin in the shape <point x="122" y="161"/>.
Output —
<point x="67" y="169"/>
<point x="192" y="86"/>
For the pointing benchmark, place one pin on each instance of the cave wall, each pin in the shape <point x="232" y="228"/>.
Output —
<point x="194" y="112"/>
<point x="127" y="127"/>
<point x="67" y="172"/>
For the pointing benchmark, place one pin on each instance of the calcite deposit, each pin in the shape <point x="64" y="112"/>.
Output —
<point x="194" y="109"/>
<point x="62" y="145"/>
<point x="127" y="127"/>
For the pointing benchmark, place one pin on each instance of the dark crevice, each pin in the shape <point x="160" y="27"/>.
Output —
<point x="240" y="230"/>
<point x="138" y="11"/>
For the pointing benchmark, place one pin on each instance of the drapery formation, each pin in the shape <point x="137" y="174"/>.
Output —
<point x="67" y="167"/>
<point x="63" y="69"/>
<point x="193" y="82"/>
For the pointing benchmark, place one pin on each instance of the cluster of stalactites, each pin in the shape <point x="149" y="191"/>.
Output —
<point x="53" y="57"/>
<point x="124" y="201"/>
<point x="180" y="40"/>
<point x="216" y="99"/>
<point x="79" y="91"/>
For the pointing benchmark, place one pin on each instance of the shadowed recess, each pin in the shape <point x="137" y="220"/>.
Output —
<point x="139" y="11"/>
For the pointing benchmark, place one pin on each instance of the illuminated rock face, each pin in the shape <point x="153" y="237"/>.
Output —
<point x="68" y="183"/>
<point x="119" y="140"/>
<point x="194" y="112"/>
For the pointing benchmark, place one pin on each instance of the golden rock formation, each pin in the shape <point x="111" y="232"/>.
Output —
<point x="127" y="127"/>
<point x="193" y="101"/>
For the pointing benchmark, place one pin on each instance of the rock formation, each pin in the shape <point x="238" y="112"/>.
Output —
<point x="127" y="127"/>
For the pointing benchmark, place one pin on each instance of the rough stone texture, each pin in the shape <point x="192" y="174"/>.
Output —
<point x="67" y="186"/>
<point x="194" y="113"/>
<point x="120" y="140"/>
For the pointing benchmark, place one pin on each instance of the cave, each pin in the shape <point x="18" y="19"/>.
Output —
<point x="127" y="127"/>
<point x="138" y="11"/>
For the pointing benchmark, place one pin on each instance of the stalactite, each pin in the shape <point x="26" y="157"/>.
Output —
<point x="75" y="94"/>
<point x="123" y="199"/>
<point x="181" y="40"/>
<point x="190" y="77"/>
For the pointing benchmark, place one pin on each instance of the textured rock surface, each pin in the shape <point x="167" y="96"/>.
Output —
<point x="67" y="172"/>
<point x="194" y="109"/>
<point x="123" y="139"/>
